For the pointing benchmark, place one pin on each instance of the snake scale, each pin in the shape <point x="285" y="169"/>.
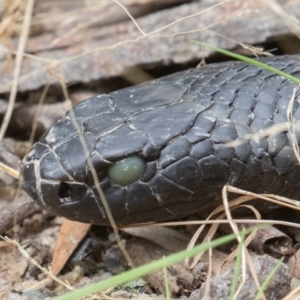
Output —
<point x="160" y="149"/>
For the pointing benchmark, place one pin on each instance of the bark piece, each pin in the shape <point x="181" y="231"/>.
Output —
<point x="272" y="241"/>
<point x="105" y="52"/>
<point x="269" y="240"/>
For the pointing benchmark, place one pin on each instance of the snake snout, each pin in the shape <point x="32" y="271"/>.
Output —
<point x="42" y="172"/>
<point x="44" y="178"/>
<point x="29" y="180"/>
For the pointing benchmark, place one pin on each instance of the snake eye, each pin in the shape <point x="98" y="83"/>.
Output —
<point x="127" y="170"/>
<point x="69" y="192"/>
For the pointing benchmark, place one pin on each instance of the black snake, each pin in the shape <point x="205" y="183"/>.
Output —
<point x="160" y="148"/>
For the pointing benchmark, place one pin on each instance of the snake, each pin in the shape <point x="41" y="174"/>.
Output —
<point x="164" y="149"/>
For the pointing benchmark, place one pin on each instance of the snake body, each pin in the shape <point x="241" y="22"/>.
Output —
<point x="179" y="127"/>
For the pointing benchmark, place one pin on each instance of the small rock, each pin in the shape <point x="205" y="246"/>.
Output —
<point x="279" y="286"/>
<point x="195" y="295"/>
<point x="34" y="295"/>
<point x="113" y="260"/>
<point x="123" y="294"/>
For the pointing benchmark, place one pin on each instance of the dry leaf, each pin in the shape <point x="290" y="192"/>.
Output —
<point x="70" y="235"/>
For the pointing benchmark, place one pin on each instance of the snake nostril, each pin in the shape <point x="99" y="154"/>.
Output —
<point x="71" y="192"/>
<point x="65" y="192"/>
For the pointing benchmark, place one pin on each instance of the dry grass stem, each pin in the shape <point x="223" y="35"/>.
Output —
<point x="254" y="50"/>
<point x="96" y="181"/>
<point x="18" y="63"/>
<point x="209" y="275"/>
<point x="253" y="273"/>
<point x="37" y="113"/>
<point x="10" y="171"/>
<point x="131" y="17"/>
<point x="290" y="21"/>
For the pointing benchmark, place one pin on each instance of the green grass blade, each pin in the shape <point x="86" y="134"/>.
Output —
<point x="250" y="61"/>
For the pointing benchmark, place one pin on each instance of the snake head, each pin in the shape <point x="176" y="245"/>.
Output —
<point x="174" y="133"/>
